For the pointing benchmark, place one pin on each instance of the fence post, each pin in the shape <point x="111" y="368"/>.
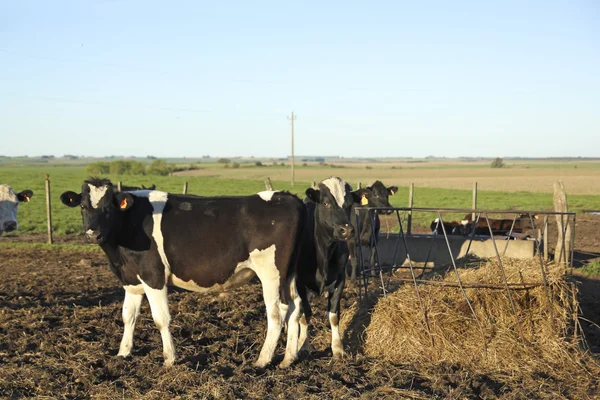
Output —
<point x="119" y="186"/>
<point x="268" y="184"/>
<point x="359" y="185"/>
<point x="411" y="191"/>
<point x="48" y="209"/>
<point x="474" y="200"/>
<point x="185" y="187"/>
<point x="560" y="205"/>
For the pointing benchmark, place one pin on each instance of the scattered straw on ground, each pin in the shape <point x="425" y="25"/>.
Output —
<point x="540" y="339"/>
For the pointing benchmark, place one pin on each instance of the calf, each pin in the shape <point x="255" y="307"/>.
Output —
<point x="322" y="262"/>
<point x="451" y="227"/>
<point x="376" y="195"/>
<point x="500" y="226"/>
<point x="153" y="239"/>
<point x="9" y="204"/>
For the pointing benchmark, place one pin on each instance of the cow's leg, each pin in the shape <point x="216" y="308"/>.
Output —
<point x="353" y="259"/>
<point x="162" y="318"/>
<point x="292" y="319"/>
<point x="131" y="310"/>
<point x="263" y="264"/>
<point x="306" y="313"/>
<point x="333" y="309"/>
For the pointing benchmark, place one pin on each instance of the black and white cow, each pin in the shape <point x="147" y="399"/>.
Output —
<point x="322" y="262"/>
<point x="375" y="195"/>
<point x="134" y="188"/>
<point x="205" y="244"/>
<point x="9" y="204"/>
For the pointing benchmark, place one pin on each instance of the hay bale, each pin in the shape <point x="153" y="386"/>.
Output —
<point x="539" y="338"/>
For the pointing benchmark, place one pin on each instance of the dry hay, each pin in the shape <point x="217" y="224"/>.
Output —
<point x="541" y="343"/>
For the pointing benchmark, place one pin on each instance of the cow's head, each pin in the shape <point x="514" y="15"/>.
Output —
<point x="101" y="208"/>
<point x="376" y="195"/>
<point x="334" y="199"/>
<point x="9" y="204"/>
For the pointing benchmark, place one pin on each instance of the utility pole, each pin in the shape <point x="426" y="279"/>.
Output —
<point x="292" y="119"/>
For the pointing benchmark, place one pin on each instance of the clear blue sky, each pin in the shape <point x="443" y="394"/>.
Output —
<point x="365" y="78"/>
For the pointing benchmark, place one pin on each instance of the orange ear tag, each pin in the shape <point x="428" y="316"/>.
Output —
<point x="363" y="200"/>
<point x="123" y="204"/>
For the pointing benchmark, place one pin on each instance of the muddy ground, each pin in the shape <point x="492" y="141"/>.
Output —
<point x="60" y="328"/>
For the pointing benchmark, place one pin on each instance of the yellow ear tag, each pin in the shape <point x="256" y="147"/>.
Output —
<point x="123" y="204"/>
<point x="392" y="192"/>
<point x="363" y="200"/>
<point x="27" y="200"/>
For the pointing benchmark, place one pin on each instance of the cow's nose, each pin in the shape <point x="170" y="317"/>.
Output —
<point x="347" y="231"/>
<point x="92" y="234"/>
<point x="10" y="226"/>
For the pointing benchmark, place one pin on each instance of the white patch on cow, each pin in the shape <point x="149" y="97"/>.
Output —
<point x="267" y="194"/>
<point x="465" y="222"/>
<point x="131" y="311"/>
<point x="159" y="306"/>
<point x="292" y="318"/>
<point x="9" y="204"/>
<point x="336" y="341"/>
<point x="96" y="194"/>
<point x="337" y="187"/>
<point x="262" y="262"/>
<point x="158" y="200"/>
<point x="435" y="221"/>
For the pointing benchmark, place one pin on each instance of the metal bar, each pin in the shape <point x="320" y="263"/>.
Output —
<point x="544" y="274"/>
<point x="472" y="234"/>
<point x="513" y="286"/>
<point x="512" y="303"/>
<point x="363" y="280"/>
<point x="573" y="242"/>
<point x="474" y="200"/>
<point x="510" y="233"/>
<point x="412" y="273"/>
<point x="468" y="210"/>
<point x="460" y="284"/>
<point x="545" y="238"/>
<point x="411" y="190"/>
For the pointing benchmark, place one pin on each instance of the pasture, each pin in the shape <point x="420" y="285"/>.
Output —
<point x="454" y="186"/>
<point x="60" y="306"/>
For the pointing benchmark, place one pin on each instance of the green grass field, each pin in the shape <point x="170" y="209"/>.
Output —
<point x="32" y="216"/>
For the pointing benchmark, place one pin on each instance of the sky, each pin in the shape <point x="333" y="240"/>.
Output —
<point x="364" y="78"/>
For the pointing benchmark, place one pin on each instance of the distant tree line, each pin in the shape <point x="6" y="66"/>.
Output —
<point x="130" y="167"/>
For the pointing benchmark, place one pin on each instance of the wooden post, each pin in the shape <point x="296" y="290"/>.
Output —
<point x="562" y="253"/>
<point x="314" y="184"/>
<point x="411" y="191"/>
<point x="359" y="185"/>
<point x="268" y="184"/>
<point x="474" y="200"/>
<point x="119" y="186"/>
<point x="545" y="239"/>
<point x="48" y="209"/>
<point x="185" y="187"/>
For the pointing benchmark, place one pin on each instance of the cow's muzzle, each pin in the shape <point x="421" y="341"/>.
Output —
<point x="10" y="226"/>
<point x="346" y="232"/>
<point x="93" y="235"/>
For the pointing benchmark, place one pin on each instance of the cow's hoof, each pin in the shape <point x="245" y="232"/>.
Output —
<point x="260" y="364"/>
<point x="169" y="362"/>
<point x="285" y="363"/>
<point x="339" y="355"/>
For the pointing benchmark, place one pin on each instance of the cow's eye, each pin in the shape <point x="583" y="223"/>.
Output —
<point x="327" y="204"/>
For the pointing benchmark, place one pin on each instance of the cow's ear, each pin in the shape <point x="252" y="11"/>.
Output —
<point x="70" y="199"/>
<point x="25" y="195"/>
<point x="124" y="201"/>
<point x="313" y="194"/>
<point x="392" y="190"/>
<point x="361" y="196"/>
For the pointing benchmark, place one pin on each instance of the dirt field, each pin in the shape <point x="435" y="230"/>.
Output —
<point x="60" y="328"/>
